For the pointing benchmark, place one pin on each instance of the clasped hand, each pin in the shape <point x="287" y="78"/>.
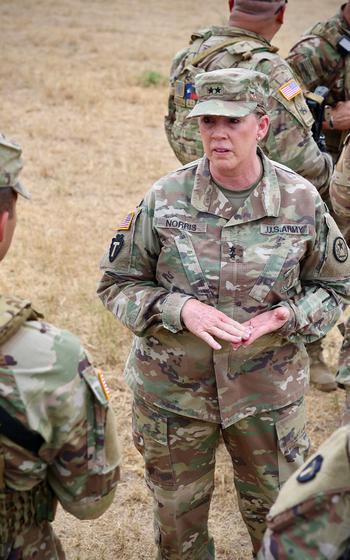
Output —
<point x="209" y="323"/>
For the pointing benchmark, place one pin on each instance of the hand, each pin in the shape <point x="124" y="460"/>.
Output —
<point x="206" y="322"/>
<point x="266" y="322"/>
<point x="340" y="115"/>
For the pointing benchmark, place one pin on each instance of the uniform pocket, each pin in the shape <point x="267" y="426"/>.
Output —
<point x="149" y="431"/>
<point x="271" y="271"/>
<point x="293" y="441"/>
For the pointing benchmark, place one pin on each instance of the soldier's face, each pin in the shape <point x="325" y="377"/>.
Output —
<point x="230" y="143"/>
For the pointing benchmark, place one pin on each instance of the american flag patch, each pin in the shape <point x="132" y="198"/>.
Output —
<point x="126" y="223"/>
<point x="290" y="89"/>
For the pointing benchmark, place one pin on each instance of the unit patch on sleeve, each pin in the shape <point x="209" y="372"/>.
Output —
<point x="340" y="249"/>
<point x="290" y="89"/>
<point x="310" y="470"/>
<point x="116" y="246"/>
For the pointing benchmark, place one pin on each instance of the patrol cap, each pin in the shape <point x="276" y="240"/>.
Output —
<point x="230" y="92"/>
<point x="11" y="165"/>
<point x="258" y="8"/>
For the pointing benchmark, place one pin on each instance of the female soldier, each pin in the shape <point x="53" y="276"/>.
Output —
<point x="227" y="267"/>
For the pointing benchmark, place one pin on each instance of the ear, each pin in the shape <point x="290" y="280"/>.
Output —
<point x="4" y="216"/>
<point x="263" y="125"/>
<point x="280" y="15"/>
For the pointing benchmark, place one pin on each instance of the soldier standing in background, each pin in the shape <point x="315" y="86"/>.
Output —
<point x="245" y="43"/>
<point x="322" y="58"/>
<point x="57" y="431"/>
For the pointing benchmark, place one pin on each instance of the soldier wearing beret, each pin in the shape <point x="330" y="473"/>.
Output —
<point x="321" y="57"/>
<point x="245" y="42"/>
<point x="228" y="266"/>
<point x="57" y="430"/>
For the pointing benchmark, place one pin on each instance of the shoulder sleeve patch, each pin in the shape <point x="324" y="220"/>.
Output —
<point x="290" y="89"/>
<point x="97" y="384"/>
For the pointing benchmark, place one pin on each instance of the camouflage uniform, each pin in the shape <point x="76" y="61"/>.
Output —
<point x="310" y="519"/>
<point x="57" y="433"/>
<point x="289" y="140"/>
<point x="49" y="386"/>
<point x="317" y="60"/>
<point x="185" y="241"/>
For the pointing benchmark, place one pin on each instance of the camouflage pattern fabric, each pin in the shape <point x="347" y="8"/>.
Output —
<point x="48" y="383"/>
<point x="310" y="519"/>
<point x="340" y="199"/>
<point x="179" y="456"/>
<point x="317" y="60"/>
<point x="185" y="241"/>
<point x="289" y="140"/>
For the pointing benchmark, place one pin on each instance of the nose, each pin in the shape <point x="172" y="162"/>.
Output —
<point x="219" y="130"/>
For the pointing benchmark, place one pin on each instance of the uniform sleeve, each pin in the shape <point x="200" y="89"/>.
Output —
<point x="313" y="59"/>
<point x="339" y="191"/>
<point x="129" y="286"/>
<point x="84" y="456"/>
<point x="289" y="140"/>
<point x="325" y="280"/>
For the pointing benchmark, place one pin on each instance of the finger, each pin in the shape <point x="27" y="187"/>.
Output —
<point x="224" y="335"/>
<point x="209" y="340"/>
<point x="234" y="328"/>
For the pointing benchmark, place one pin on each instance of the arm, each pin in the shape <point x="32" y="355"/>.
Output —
<point x="325" y="280"/>
<point x="289" y="140"/>
<point x="84" y="457"/>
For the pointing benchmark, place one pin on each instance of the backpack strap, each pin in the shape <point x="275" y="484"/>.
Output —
<point x="14" y="430"/>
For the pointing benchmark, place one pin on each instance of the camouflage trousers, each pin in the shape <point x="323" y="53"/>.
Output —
<point x="36" y="542"/>
<point x="179" y="455"/>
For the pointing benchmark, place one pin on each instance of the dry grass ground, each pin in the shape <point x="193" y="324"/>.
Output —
<point x="72" y="95"/>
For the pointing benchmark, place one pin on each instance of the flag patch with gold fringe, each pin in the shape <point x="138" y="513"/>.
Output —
<point x="290" y="89"/>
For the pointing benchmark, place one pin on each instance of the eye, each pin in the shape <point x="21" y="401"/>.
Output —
<point x="234" y="120"/>
<point x="207" y="119"/>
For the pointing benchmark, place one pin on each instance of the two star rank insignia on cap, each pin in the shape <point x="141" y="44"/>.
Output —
<point x="118" y="240"/>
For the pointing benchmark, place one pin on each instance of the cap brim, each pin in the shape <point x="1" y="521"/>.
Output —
<point x="221" y="108"/>
<point x="20" y="189"/>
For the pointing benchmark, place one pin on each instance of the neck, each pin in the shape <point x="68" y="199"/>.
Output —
<point x="239" y="179"/>
<point x="265" y="29"/>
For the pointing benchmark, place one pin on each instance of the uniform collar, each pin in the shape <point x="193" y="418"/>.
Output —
<point x="264" y="201"/>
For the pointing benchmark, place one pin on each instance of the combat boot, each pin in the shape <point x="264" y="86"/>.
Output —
<point x="320" y="375"/>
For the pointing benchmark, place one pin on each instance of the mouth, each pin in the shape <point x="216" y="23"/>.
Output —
<point x="219" y="150"/>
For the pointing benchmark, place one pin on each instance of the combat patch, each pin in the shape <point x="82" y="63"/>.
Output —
<point x="340" y="249"/>
<point x="292" y="229"/>
<point x="176" y="223"/>
<point x="290" y="89"/>
<point x="310" y="470"/>
<point x="116" y="246"/>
